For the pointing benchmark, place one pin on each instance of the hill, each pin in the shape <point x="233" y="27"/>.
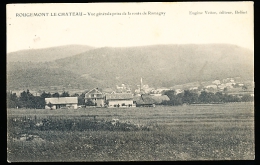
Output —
<point x="46" y="54"/>
<point x="38" y="77"/>
<point x="158" y="65"/>
<point x="162" y="65"/>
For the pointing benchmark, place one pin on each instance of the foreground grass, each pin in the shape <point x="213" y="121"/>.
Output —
<point x="190" y="136"/>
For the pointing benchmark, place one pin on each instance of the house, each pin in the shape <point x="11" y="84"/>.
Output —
<point x="119" y="100"/>
<point x="123" y="89"/>
<point x="230" y="84"/>
<point x="177" y="91"/>
<point x="240" y="84"/>
<point x="194" y="88"/>
<point x="160" y="90"/>
<point x="96" y="97"/>
<point x="155" y="94"/>
<point x="61" y="102"/>
<point x="222" y="86"/>
<point x="217" y="82"/>
<point x="212" y="86"/>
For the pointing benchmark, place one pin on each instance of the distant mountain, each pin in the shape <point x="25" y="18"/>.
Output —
<point x="158" y="65"/>
<point x="46" y="54"/>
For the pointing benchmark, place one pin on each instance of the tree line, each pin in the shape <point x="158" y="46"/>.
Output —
<point x="190" y="97"/>
<point x="28" y="100"/>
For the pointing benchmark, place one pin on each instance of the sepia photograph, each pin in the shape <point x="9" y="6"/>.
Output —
<point x="157" y="81"/>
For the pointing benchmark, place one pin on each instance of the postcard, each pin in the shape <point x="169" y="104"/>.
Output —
<point x="154" y="81"/>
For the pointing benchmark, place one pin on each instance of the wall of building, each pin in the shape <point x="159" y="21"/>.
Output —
<point x="70" y="106"/>
<point x="73" y="106"/>
<point x="53" y="107"/>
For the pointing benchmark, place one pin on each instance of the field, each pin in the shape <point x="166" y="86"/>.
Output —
<point x="201" y="132"/>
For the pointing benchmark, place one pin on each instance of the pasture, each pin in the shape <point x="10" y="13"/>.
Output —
<point x="202" y="132"/>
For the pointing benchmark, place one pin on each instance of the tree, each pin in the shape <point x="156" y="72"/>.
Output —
<point x="45" y="95"/>
<point x="219" y="97"/>
<point x="178" y="100"/>
<point x="65" y="94"/>
<point x="206" y="97"/>
<point x="39" y="102"/>
<point x="26" y="99"/>
<point x="244" y="88"/>
<point x="81" y="99"/>
<point x="236" y="85"/>
<point x="190" y="97"/>
<point x="247" y="98"/>
<point x="56" y="94"/>
<point x="225" y="90"/>
<point x="170" y="94"/>
<point x="90" y="103"/>
<point x="75" y="95"/>
<point x="12" y="100"/>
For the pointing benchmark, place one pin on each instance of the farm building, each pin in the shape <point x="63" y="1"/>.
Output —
<point x="119" y="100"/>
<point x="61" y="102"/>
<point x="96" y="97"/>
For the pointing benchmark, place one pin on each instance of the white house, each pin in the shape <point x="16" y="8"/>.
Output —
<point x="240" y="84"/>
<point x="96" y="97"/>
<point x="119" y="100"/>
<point x="230" y="84"/>
<point x="217" y="82"/>
<point x="212" y="86"/>
<point x="61" y="102"/>
<point x="194" y="88"/>
<point x="177" y="91"/>
<point x="222" y="86"/>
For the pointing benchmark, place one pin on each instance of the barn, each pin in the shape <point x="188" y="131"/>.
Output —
<point x="61" y="102"/>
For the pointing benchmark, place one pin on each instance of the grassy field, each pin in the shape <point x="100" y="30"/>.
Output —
<point x="215" y="132"/>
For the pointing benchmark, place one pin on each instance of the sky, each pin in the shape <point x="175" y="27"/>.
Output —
<point x="176" y="26"/>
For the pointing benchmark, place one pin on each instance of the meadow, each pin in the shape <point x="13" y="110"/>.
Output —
<point x="201" y="132"/>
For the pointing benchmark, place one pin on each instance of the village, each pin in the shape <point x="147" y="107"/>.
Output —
<point x="122" y="97"/>
<point x="145" y="96"/>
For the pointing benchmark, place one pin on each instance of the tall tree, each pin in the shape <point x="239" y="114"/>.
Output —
<point x="56" y="94"/>
<point x="45" y="95"/>
<point x="65" y="94"/>
<point x="12" y="100"/>
<point x="190" y="97"/>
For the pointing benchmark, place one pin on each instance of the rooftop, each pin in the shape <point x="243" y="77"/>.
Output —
<point x="119" y="96"/>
